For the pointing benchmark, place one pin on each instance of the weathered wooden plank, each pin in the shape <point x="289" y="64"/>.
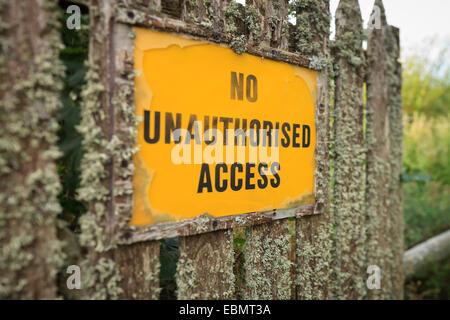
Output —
<point x="171" y="7"/>
<point x="267" y="248"/>
<point x="124" y="127"/>
<point x="349" y="181"/>
<point x="30" y="70"/>
<point x="313" y="235"/>
<point x="208" y="14"/>
<point x="313" y="22"/>
<point x="378" y="171"/>
<point x="313" y="264"/>
<point x="109" y="129"/>
<point x="205" y="266"/>
<point x="267" y="261"/>
<point x="396" y="137"/>
<point x="101" y="276"/>
<point x="234" y="14"/>
<point x="229" y="36"/>
<point x="139" y="267"/>
<point x="143" y="5"/>
<point x="267" y="23"/>
<point x="141" y="281"/>
<point x="207" y="223"/>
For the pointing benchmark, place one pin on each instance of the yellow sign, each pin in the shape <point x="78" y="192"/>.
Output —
<point x="221" y="133"/>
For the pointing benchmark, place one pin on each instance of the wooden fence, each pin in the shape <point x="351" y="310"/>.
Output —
<point x="314" y="252"/>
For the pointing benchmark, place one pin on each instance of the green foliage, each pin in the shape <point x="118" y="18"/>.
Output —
<point x="73" y="55"/>
<point x="430" y="284"/>
<point x="427" y="207"/>
<point x="426" y="176"/>
<point x="426" y="147"/>
<point x="426" y="85"/>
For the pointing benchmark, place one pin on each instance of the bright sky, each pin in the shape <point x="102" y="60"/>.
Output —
<point x="419" y="22"/>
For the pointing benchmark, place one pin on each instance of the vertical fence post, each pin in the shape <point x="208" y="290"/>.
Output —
<point x="107" y="166"/>
<point x="29" y="92"/>
<point x="209" y="14"/>
<point x="378" y="148"/>
<point x="139" y="268"/>
<point x="267" y="264"/>
<point x="384" y="159"/>
<point x="139" y="263"/>
<point x="378" y="170"/>
<point x="396" y="162"/>
<point x="349" y="186"/>
<point x="101" y="277"/>
<point x="267" y="23"/>
<point x="267" y="247"/>
<point x="313" y="242"/>
<point x="205" y="266"/>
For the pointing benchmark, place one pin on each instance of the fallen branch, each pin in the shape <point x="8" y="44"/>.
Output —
<point x="426" y="253"/>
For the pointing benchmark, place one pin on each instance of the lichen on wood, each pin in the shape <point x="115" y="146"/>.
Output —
<point x="150" y="6"/>
<point x="93" y="166"/>
<point x="267" y="262"/>
<point x="207" y="13"/>
<point x="139" y="267"/>
<point x="349" y="175"/>
<point x="395" y="160"/>
<point x="313" y="21"/>
<point x="267" y="23"/>
<point x="102" y="278"/>
<point x="30" y="251"/>
<point x="313" y="234"/>
<point x="378" y="170"/>
<point x="109" y="128"/>
<point x="205" y="266"/>
<point x="313" y="258"/>
<point x="232" y="15"/>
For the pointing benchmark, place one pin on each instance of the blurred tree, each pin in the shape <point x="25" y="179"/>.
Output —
<point x="426" y="177"/>
<point x="426" y="145"/>
<point x="426" y="84"/>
